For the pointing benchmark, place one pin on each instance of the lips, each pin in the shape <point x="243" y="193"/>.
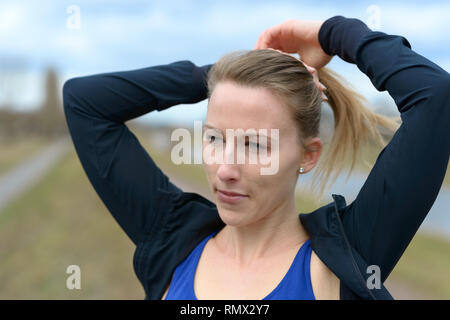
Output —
<point x="231" y="194"/>
<point x="230" y="197"/>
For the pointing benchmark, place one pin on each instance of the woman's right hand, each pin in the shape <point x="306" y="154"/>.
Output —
<point x="296" y="36"/>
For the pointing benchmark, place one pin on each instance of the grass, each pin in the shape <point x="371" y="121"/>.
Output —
<point x="14" y="152"/>
<point x="58" y="223"/>
<point x="425" y="266"/>
<point x="193" y="173"/>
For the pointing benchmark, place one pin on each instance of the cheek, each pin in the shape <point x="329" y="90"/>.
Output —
<point x="210" y="170"/>
<point x="285" y="179"/>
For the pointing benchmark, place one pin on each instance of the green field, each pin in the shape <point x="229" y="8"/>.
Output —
<point x="62" y="222"/>
<point x="425" y="265"/>
<point x="58" y="223"/>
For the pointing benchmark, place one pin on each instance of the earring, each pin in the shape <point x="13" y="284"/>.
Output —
<point x="301" y="170"/>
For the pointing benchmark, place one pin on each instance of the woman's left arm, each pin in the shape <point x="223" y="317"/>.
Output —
<point x="407" y="176"/>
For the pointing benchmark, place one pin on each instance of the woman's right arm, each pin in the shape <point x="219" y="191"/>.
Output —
<point x="121" y="171"/>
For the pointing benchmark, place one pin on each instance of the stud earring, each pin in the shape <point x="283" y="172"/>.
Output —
<point x="301" y="170"/>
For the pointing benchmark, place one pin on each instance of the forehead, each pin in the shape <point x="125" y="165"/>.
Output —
<point x="235" y="106"/>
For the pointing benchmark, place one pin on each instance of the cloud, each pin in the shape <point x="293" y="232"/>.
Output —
<point x="427" y="23"/>
<point x="10" y="17"/>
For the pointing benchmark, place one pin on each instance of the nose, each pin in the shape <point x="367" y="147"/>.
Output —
<point x="228" y="172"/>
<point x="229" y="169"/>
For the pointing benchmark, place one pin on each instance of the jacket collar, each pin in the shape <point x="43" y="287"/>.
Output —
<point x="330" y="243"/>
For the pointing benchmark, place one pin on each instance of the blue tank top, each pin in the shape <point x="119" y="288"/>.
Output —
<point x="296" y="284"/>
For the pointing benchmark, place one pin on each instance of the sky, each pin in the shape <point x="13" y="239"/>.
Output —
<point x="87" y="37"/>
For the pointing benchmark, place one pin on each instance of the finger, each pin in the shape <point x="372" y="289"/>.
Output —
<point x="259" y="41"/>
<point x="263" y="42"/>
<point x="314" y="73"/>
<point x="310" y="69"/>
<point x="269" y="38"/>
<point x="280" y="52"/>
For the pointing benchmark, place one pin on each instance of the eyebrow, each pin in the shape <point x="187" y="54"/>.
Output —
<point x="250" y="134"/>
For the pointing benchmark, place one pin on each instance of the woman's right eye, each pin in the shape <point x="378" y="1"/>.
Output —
<point x="212" y="139"/>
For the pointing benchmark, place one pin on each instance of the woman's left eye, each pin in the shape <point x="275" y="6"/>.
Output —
<point x="257" y="145"/>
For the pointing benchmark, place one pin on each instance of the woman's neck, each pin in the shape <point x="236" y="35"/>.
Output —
<point x="268" y="237"/>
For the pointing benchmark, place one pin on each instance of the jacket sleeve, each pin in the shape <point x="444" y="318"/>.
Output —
<point x="405" y="180"/>
<point x="120" y="170"/>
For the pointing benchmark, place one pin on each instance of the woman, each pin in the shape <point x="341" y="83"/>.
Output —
<point x="255" y="246"/>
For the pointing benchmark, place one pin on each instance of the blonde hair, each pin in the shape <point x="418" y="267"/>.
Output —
<point x="287" y="78"/>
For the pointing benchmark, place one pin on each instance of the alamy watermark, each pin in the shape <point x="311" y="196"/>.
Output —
<point x="374" y="17"/>
<point x="374" y="280"/>
<point x="73" y="21"/>
<point x="74" y="280"/>
<point x="263" y="146"/>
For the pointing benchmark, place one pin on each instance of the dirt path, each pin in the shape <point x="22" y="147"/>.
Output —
<point x="16" y="181"/>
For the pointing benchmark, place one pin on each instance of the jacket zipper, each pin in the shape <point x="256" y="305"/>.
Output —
<point x="351" y="254"/>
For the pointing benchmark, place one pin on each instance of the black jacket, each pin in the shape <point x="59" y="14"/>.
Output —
<point x="166" y="223"/>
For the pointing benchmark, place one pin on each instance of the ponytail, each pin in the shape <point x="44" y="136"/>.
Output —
<point x="354" y="126"/>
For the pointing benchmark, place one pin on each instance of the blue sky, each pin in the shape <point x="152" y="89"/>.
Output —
<point x="123" y="35"/>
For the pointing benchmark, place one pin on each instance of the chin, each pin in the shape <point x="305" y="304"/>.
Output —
<point x="232" y="218"/>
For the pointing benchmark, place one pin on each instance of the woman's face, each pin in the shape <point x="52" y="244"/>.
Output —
<point x="232" y="106"/>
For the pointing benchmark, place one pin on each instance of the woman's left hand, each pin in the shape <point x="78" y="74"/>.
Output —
<point x="296" y="36"/>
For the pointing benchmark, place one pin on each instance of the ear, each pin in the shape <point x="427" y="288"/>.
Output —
<point x="313" y="148"/>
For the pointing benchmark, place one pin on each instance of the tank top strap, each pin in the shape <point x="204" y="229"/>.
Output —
<point x="181" y="286"/>
<point x="296" y="284"/>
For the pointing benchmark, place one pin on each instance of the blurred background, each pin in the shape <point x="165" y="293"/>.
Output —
<point x="51" y="217"/>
